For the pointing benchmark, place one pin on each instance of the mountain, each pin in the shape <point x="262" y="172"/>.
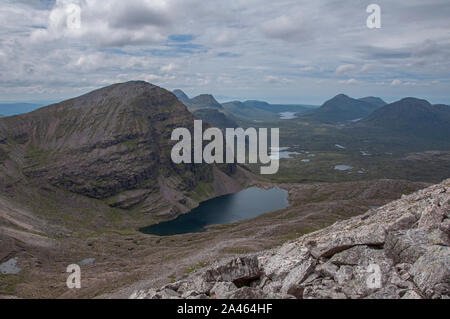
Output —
<point x="205" y="107"/>
<point x="203" y="101"/>
<point x="9" y="109"/>
<point x="279" y="108"/>
<point x="199" y="102"/>
<point x="215" y="118"/>
<point x="378" y="102"/>
<point x="342" y="108"/>
<point x="112" y="145"/>
<point x="260" y="110"/>
<point x="181" y="95"/>
<point x="398" y="251"/>
<point x="411" y="116"/>
<point x="248" y="111"/>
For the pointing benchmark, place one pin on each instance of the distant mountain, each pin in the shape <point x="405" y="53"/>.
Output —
<point x="248" y="111"/>
<point x="204" y="101"/>
<point x="199" y="102"/>
<point x="215" y="118"/>
<point x="378" y="102"/>
<point x="343" y="108"/>
<point x="113" y="145"/>
<point x="279" y="108"/>
<point x="181" y="95"/>
<point x="412" y="116"/>
<point x="260" y="110"/>
<point x="206" y="108"/>
<point x="8" y="109"/>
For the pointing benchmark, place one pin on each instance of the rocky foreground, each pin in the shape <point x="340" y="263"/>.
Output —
<point x="400" y="250"/>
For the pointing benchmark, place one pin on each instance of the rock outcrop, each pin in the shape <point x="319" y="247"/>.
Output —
<point x="398" y="251"/>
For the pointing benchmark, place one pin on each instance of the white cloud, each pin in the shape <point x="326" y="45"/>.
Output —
<point x="226" y="38"/>
<point x="168" y="68"/>
<point x="367" y="67"/>
<point x="396" y="82"/>
<point x="345" y="69"/>
<point x="349" y="81"/>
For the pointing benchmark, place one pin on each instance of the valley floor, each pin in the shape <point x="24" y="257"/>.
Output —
<point x="126" y="260"/>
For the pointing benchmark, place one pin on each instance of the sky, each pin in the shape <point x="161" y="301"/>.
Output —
<point x="284" y="51"/>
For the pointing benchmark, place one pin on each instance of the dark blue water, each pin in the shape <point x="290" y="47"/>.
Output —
<point x="246" y="204"/>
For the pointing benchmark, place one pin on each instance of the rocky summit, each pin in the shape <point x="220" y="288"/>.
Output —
<point x="400" y="250"/>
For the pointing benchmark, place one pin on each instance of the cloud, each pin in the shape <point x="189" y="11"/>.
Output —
<point x="226" y="38"/>
<point x="349" y="81"/>
<point x="308" y="49"/>
<point x="276" y="79"/>
<point x="168" y="68"/>
<point x="345" y="69"/>
<point x="109" y="24"/>
<point x="307" y="69"/>
<point x="367" y="67"/>
<point x="288" y="28"/>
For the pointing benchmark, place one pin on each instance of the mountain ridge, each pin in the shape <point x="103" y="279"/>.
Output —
<point x="342" y="108"/>
<point x="112" y="144"/>
<point x="412" y="116"/>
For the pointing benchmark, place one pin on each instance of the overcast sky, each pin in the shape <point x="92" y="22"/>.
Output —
<point x="284" y="51"/>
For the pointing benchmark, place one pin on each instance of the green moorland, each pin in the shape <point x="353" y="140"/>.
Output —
<point x="370" y="152"/>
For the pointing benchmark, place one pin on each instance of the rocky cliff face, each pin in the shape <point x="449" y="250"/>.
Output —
<point x="113" y="145"/>
<point x="401" y="250"/>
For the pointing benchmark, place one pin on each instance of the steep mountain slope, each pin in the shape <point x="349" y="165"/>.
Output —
<point x="214" y="118"/>
<point x="113" y="145"/>
<point x="342" y="108"/>
<point x="411" y="116"/>
<point x="181" y="95"/>
<point x="401" y="250"/>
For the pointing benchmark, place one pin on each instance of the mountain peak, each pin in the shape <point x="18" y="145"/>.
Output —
<point x="342" y="96"/>
<point x="203" y="101"/>
<point x="112" y="144"/>
<point x="414" y="100"/>
<point x="342" y="108"/>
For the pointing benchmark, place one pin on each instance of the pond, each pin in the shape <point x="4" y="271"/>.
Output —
<point x="343" y="167"/>
<point x="244" y="205"/>
<point x="277" y="153"/>
<point x="288" y="115"/>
